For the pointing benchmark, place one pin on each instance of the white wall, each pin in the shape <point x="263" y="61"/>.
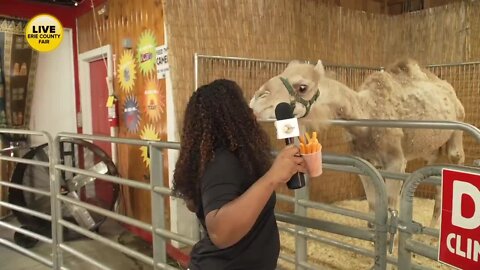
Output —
<point x="53" y="108"/>
<point x="182" y="221"/>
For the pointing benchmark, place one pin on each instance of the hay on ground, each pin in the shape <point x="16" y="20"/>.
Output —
<point x="328" y="257"/>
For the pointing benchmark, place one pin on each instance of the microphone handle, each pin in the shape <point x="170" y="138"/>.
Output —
<point x="289" y="141"/>
<point x="298" y="179"/>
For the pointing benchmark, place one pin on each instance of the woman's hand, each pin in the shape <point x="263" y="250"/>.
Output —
<point x="226" y="227"/>
<point x="287" y="163"/>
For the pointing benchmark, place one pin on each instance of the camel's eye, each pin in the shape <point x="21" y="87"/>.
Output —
<point x="264" y="94"/>
<point x="302" y="88"/>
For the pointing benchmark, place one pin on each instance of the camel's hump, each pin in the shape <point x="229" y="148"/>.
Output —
<point x="410" y="68"/>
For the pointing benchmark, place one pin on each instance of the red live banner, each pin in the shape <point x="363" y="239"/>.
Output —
<point x="460" y="225"/>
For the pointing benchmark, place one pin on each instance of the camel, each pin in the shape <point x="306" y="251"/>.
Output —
<point x="403" y="91"/>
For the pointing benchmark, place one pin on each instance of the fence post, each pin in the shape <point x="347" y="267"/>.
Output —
<point x="195" y="71"/>
<point x="406" y="226"/>
<point x="300" y="240"/>
<point x="406" y="205"/>
<point x="158" y="206"/>
<point x="381" y="213"/>
<point x="55" y="204"/>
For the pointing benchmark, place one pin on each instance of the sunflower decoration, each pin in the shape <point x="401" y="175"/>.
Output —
<point x="146" y="52"/>
<point x="154" y="99"/>
<point x="126" y="71"/>
<point x="148" y="133"/>
<point x="131" y="113"/>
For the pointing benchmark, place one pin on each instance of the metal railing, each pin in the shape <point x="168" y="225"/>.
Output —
<point x="5" y="183"/>
<point x="155" y="187"/>
<point x="157" y="228"/>
<point x="379" y="219"/>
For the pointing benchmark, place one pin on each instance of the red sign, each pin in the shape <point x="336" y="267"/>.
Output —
<point x="460" y="228"/>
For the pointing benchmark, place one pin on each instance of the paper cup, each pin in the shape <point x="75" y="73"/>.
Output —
<point x="314" y="163"/>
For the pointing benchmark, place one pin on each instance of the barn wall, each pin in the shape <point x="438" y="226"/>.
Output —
<point x="441" y="35"/>
<point x="311" y="30"/>
<point x="337" y="35"/>
<point x="281" y="30"/>
<point x="433" y="36"/>
<point x="370" y="6"/>
<point x="473" y="20"/>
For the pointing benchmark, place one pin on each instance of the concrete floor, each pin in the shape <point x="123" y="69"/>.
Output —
<point x="113" y="259"/>
<point x="13" y="260"/>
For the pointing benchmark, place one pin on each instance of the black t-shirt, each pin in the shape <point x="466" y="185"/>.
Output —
<point x="223" y="181"/>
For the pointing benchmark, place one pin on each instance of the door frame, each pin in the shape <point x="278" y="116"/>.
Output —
<point x="84" y="60"/>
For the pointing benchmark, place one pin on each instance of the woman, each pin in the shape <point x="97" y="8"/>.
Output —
<point x="226" y="175"/>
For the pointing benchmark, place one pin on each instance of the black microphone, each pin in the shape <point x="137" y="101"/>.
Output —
<point x="287" y="128"/>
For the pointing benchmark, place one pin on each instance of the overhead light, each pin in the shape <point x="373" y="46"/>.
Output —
<point x="77" y="2"/>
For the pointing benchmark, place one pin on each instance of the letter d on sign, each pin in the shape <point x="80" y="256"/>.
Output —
<point x="459" y="241"/>
<point x="459" y="189"/>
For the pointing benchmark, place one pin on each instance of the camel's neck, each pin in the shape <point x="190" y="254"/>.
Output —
<point x="341" y="101"/>
<point x="337" y="101"/>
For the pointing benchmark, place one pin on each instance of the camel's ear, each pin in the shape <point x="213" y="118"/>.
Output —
<point x="319" y="68"/>
<point x="293" y="62"/>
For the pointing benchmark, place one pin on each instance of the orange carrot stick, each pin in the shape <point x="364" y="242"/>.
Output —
<point x="302" y="148"/>
<point x="302" y="139"/>
<point x="308" y="137"/>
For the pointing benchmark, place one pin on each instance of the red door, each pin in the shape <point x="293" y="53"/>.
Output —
<point x="99" y="95"/>
<point x="100" y="125"/>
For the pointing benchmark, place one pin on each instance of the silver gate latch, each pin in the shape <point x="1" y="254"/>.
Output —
<point x="392" y="228"/>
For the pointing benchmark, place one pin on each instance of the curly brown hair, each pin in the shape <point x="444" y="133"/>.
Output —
<point x="217" y="115"/>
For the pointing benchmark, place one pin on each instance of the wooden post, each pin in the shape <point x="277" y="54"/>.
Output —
<point x="4" y="176"/>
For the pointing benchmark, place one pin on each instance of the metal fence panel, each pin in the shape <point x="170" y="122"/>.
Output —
<point x="34" y="235"/>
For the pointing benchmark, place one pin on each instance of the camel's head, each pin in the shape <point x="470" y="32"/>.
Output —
<point x="297" y="85"/>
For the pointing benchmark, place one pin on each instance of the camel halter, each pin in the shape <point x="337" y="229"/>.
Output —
<point x="296" y="98"/>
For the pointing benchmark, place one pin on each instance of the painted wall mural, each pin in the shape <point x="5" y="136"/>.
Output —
<point x="154" y="100"/>
<point x="136" y="30"/>
<point x="146" y="52"/>
<point x="126" y="71"/>
<point x="150" y="133"/>
<point x="132" y="115"/>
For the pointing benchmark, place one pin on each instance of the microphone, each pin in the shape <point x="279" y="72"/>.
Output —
<point x="287" y="128"/>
